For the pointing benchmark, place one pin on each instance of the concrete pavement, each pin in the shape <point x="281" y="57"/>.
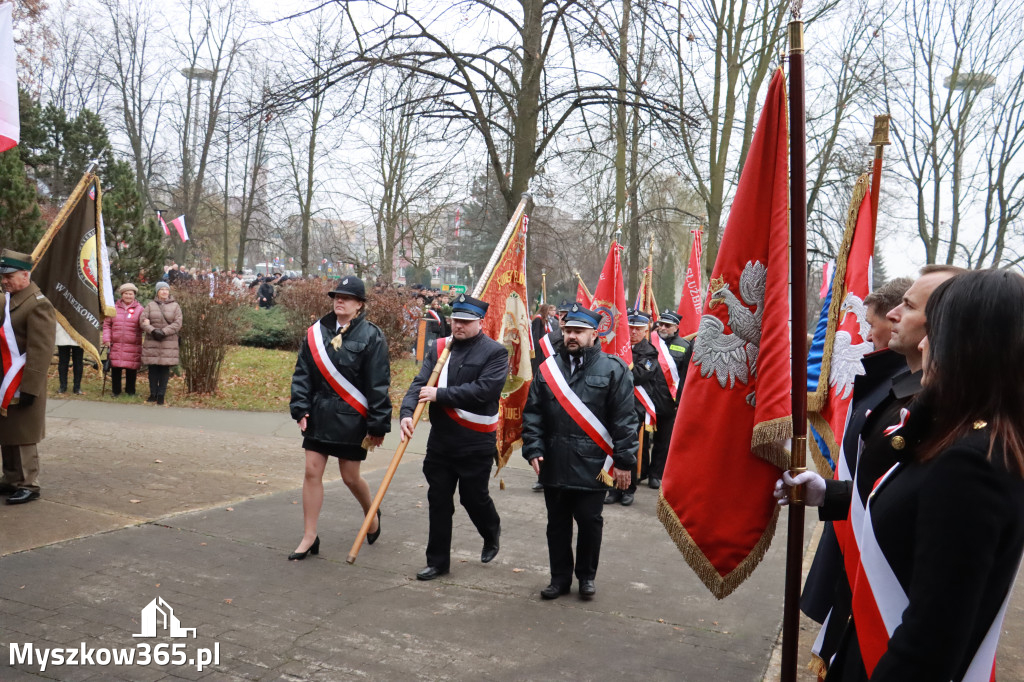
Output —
<point x="201" y="508"/>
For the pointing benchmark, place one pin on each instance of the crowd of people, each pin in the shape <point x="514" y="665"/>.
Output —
<point x="925" y="517"/>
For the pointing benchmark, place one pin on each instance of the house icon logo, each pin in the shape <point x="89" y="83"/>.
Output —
<point x="159" y="613"/>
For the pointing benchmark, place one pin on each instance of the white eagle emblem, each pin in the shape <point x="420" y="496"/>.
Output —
<point x="848" y="357"/>
<point x="732" y="357"/>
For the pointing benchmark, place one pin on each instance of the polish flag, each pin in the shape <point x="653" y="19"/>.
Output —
<point x="10" y="126"/>
<point x="163" y="224"/>
<point x="179" y="225"/>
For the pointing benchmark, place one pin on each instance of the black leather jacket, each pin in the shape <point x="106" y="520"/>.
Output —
<point x="571" y="458"/>
<point x="363" y="360"/>
<point x="477" y="371"/>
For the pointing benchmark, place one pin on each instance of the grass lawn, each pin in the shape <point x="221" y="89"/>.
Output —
<point x="252" y="380"/>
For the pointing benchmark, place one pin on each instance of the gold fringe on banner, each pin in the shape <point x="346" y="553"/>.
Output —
<point x="719" y="585"/>
<point x="825" y="431"/>
<point x="767" y="441"/>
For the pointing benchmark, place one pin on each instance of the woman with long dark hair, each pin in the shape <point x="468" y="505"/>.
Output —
<point x="942" y="538"/>
<point x="341" y="403"/>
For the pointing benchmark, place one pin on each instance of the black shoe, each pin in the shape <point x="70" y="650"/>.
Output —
<point x="115" y="395"/>
<point x="553" y="591"/>
<point x="627" y="499"/>
<point x="429" y="573"/>
<point x="23" y="495"/>
<point x="587" y="589"/>
<point x="159" y="400"/>
<point x="490" y="549"/>
<point x="372" y="537"/>
<point x="537" y="487"/>
<point x="313" y="549"/>
<point x="78" y="391"/>
<point x="151" y="398"/>
<point x="62" y="389"/>
<point x="613" y="496"/>
<point x="654" y="483"/>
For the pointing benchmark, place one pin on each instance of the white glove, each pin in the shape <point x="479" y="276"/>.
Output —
<point x="814" y="488"/>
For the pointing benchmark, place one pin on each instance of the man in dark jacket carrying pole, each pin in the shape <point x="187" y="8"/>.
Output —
<point x="580" y="435"/>
<point x="463" y="431"/>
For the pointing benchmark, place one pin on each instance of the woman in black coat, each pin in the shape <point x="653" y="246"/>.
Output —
<point x="947" y="524"/>
<point x="341" y="403"/>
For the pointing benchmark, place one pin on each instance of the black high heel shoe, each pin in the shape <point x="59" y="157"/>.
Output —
<point x="313" y="549"/>
<point x="372" y="537"/>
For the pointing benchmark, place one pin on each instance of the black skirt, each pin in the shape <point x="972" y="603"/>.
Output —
<point x="353" y="453"/>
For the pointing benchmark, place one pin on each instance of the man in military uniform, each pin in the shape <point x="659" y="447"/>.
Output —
<point x="673" y="354"/>
<point x="463" y="426"/>
<point x="22" y="423"/>
<point x="645" y="384"/>
<point x="876" y="414"/>
<point x="579" y="428"/>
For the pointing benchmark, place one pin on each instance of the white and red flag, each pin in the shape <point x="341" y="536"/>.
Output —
<point x="690" y="302"/>
<point x="730" y="437"/>
<point x="179" y="225"/>
<point x="610" y="302"/>
<point x="163" y="223"/>
<point x="10" y="123"/>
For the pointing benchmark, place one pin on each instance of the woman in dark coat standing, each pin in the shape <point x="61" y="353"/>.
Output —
<point x="122" y="334"/>
<point x="943" y="534"/>
<point x="341" y="403"/>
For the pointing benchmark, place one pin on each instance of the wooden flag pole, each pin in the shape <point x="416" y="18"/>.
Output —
<point x="879" y="140"/>
<point x="798" y="287"/>
<point x="525" y="205"/>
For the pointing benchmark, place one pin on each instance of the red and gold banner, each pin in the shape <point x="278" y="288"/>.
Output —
<point x="735" y="414"/>
<point x="610" y="302"/>
<point x="508" y="323"/>
<point x="690" y="302"/>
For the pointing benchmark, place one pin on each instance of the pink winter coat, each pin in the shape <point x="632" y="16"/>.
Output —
<point x="124" y="335"/>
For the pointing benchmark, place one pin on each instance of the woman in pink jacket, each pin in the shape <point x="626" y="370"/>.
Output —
<point x="123" y="336"/>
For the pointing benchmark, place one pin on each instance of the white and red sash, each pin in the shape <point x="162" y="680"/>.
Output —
<point x="579" y="412"/>
<point x="433" y="315"/>
<point x="546" y="346"/>
<point x="668" y="365"/>
<point x="547" y="325"/>
<point x="650" y="414"/>
<point x="470" y="420"/>
<point x="13" y="359"/>
<point x="879" y="602"/>
<point x="342" y="386"/>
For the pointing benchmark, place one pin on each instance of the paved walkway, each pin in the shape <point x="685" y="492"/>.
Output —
<point x="200" y="508"/>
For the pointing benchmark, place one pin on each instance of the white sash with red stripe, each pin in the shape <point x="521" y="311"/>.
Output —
<point x="668" y="365"/>
<point x="578" y="410"/>
<point x="879" y="602"/>
<point x="650" y="414"/>
<point x="476" y="422"/>
<point x="433" y="315"/>
<point x="13" y="359"/>
<point x="546" y="346"/>
<point x="342" y="386"/>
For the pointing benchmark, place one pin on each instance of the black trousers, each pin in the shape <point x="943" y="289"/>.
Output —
<point x="72" y="355"/>
<point x="158" y="376"/>
<point x="471" y="472"/>
<point x="129" y="380"/>
<point x="659" y="444"/>
<point x="565" y="506"/>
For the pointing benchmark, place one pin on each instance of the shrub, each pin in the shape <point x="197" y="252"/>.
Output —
<point x="386" y="309"/>
<point x="266" y="328"/>
<point x="211" y="324"/>
<point x="304" y="302"/>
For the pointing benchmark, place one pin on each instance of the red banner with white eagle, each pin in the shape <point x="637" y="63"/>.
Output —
<point x="846" y="335"/>
<point x="610" y="302"/>
<point x="508" y="323"/>
<point x="727" y="444"/>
